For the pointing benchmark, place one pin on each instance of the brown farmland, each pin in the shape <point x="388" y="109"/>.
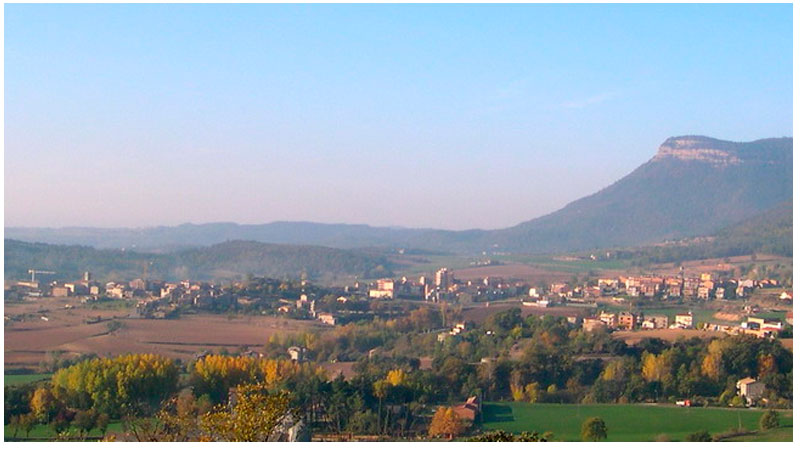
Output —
<point x="28" y="338"/>
<point x="670" y="335"/>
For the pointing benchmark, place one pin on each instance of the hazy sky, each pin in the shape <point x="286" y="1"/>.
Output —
<point x="437" y="116"/>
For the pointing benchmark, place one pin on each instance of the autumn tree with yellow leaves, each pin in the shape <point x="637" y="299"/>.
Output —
<point x="446" y="423"/>
<point x="133" y="383"/>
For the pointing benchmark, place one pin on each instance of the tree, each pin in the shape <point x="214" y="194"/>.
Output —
<point x="532" y="392"/>
<point x="446" y="423"/>
<point x="27" y="422"/>
<point x="256" y="414"/>
<point x="43" y="404"/>
<point x="84" y="421"/>
<point x="769" y="420"/>
<point x="594" y="429"/>
<point x="381" y="390"/>
<point x="396" y="377"/>
<point x="14" y="424"/>
<point x="699" y="436"/>
<point x="60" y="422"/>
<point x="102" y="423"/>
<point x="505" y="436"/>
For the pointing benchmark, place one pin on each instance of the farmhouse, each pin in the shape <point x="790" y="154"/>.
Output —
<point x="327" y="319"/>
<point x="469" y="411"/>
<point x="297" y="353"/>
<point x="750" y="389"/>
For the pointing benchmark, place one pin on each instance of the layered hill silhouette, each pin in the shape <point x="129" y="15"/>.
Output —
<point x="693" y="186"/>
<point x="228" y="260"/>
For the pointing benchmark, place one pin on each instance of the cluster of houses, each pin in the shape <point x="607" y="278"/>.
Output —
<point x="627" y="320"/>
<point x="706" y="287"/>
<point x="443" y="286"/>
<point x="754" y="326"/>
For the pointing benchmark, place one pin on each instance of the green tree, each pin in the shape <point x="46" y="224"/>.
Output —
<point x="699" y="436"/>
<point x="506" y="436"/>
<point x="84" y="421"/>
<point x="769" y="420"/>
<point x="102" y="423"/>
<point x="27" y="422"/>
<point x="594" y="429"/>
<point x="15" y="426"/>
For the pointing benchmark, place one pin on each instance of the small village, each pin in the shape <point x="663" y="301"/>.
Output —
<point x="608" y="303"/>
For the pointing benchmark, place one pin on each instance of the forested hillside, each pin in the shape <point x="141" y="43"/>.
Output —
<point x="224" y="261"/>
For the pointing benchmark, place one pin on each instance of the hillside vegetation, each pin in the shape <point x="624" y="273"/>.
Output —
<point x="769" y="232"/>
<point x="223" y="261"/>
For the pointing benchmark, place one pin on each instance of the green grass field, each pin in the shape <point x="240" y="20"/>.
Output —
<point x="11" y="380"/>
<point x="575" y="266"/>
<point x="45" y="433"/>
<point x="626" y="423"/>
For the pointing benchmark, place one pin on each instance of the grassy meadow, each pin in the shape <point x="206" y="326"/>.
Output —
<point x="11" y="380"/>
<point x="627" y="423"/>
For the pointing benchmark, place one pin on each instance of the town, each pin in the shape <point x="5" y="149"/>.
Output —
<point x="613" y="303"/>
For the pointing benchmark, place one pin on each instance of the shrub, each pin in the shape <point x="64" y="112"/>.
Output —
<point x="699" y="436"/>
<point x="594" y="429"/>
<point x="769" y="420"/>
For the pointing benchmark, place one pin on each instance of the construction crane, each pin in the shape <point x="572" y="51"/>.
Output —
<point x="33" y="273"/>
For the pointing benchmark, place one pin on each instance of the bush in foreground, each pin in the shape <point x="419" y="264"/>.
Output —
<point x="594" y="429"/>
<point x="699" y="436"/>
<point x="769" y="420"/>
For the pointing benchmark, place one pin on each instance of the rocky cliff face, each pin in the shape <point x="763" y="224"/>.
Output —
<point x="720" y="153"/>
<point x="698" y="148"/>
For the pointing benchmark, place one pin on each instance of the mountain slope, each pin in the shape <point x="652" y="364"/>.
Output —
<point x="693" y="186"/>
<point x="768" y="232"/>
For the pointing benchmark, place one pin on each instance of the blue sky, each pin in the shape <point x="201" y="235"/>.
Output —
<point x="440" y="116"/>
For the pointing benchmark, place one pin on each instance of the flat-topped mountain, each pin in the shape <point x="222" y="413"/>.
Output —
<point x="723" y="153"/>
<point x="694" y="185"/>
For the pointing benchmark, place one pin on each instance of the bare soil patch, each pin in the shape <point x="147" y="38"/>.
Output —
<point x="513" y="271"/>
<point x="28" y="338"/>
<point x="634" y="337"/>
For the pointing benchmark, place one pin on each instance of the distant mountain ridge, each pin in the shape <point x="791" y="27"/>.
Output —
<point x="693" y="185"/>
<point x="224" y="261"/>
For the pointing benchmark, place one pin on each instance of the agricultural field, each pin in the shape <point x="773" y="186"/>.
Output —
<point x="627" y="423"/>
<point x="565" y="264"/>
<point x="669" y="335"/>
<point x="82" y="329"/>
<point x="41" y="432"/>
<point x="15" y="379"/>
